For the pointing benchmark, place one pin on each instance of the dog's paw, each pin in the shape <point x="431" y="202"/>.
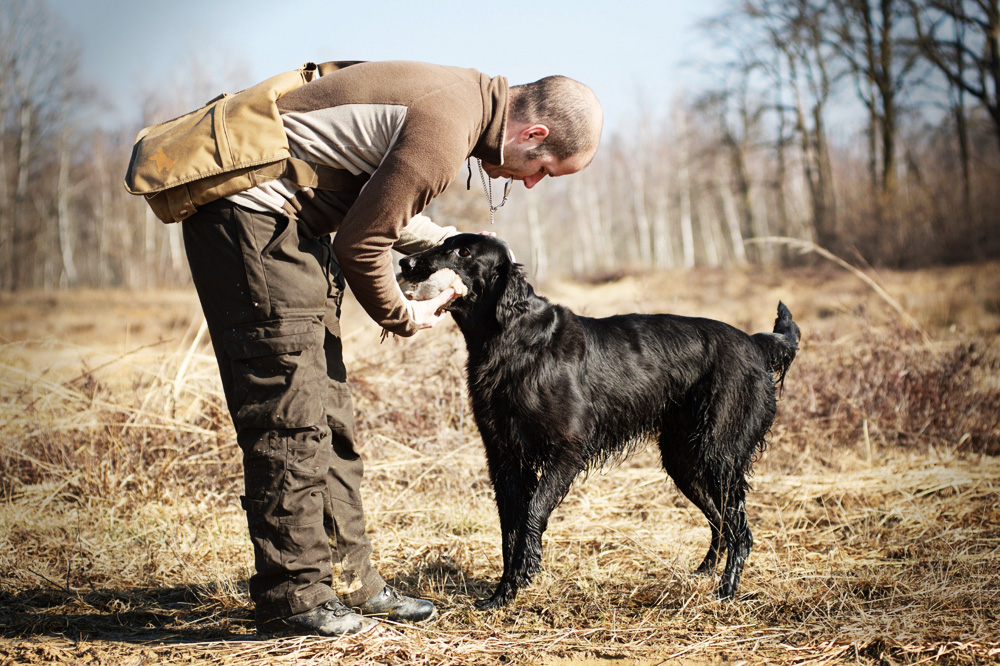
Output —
<point x="725" y="592"/>
<point x="490" y="603"/>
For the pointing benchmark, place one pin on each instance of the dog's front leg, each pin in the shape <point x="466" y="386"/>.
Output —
<point x="513" y="485"/>
<point x="526" y="558"/>
<point x="517" y="489"/>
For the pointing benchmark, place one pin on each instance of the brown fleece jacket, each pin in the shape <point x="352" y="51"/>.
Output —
<point x="411" y="126"/>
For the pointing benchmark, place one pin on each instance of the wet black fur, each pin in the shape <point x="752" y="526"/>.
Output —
<point x="555" y="394"/>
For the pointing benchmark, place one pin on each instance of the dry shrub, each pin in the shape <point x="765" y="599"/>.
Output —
<point x="98" y="438"/>
<point x="889" y="387"/>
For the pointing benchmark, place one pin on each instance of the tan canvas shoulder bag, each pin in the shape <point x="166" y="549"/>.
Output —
<point x="235" y="142"/>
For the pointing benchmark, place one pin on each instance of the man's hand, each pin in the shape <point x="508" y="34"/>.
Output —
<point x="427" y="313"/>
<point x="493" y="233"/>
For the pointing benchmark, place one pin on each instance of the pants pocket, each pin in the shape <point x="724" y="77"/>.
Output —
<point x="279" y="370"/>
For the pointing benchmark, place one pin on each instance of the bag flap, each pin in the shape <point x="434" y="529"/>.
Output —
<point x="231" y="132"/>
<point x="235" y="131"/>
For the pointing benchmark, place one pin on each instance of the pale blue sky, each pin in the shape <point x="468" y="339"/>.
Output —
<point x="626" y="50"/>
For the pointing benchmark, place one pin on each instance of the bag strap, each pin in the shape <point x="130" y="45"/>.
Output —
<point x="322" y="177"/>
<point x="311" y="71"/>
<point x="325" y="68"/>
<point x="309" y="174"/>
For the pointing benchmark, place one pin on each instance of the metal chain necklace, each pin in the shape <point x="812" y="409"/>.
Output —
<point x="488" y="190"/>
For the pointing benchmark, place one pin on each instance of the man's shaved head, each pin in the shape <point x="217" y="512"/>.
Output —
<point x="568" y="108"/>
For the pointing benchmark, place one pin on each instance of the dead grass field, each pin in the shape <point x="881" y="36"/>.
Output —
<point x="875" y="508"/>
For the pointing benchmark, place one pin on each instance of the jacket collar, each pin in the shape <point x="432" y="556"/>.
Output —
<point x="490" y="145"/>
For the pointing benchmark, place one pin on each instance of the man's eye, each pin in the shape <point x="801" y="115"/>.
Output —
<point x="464" y="252"/>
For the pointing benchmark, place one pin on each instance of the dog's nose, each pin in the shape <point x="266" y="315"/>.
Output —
<point x="407" y="263"/>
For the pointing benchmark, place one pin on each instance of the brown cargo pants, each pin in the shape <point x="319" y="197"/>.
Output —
<point x="271" y="297"/>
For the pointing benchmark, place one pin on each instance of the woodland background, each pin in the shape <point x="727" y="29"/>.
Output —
<point x="869" y="127"/>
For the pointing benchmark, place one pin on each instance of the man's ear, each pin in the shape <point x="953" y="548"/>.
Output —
<point x="533" y="134"/>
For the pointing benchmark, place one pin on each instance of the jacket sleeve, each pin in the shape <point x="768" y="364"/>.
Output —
<point x="428" y="153"/>
<point x="421" y="234"/>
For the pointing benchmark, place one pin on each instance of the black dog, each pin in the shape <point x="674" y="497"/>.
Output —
<point x="555" y="394"/>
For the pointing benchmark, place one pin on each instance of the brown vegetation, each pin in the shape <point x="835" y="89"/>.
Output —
<point x="874" y="508"/>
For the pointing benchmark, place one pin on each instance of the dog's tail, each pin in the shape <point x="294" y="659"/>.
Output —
<point x="780" y="346"/>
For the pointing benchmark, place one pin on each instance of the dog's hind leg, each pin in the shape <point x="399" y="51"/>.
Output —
<point x="679" y="456"/>
<point x="739" y="539"/>
<point x="696" y="490"/>
<point x="526" y="555"/>
<point x="731" y="476"/>
<point x="736" y="421"/>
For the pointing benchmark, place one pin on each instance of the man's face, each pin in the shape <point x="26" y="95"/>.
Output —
<point x="519" y="165"/>
<point x="524" y="158"/>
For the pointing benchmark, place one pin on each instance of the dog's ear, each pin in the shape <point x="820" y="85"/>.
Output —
<point x="514" y="291"/>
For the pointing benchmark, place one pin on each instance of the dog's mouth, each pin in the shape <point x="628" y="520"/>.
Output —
<point x="424" y="289"/>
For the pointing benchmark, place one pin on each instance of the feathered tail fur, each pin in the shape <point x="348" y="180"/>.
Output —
<point x="780" y="346"/>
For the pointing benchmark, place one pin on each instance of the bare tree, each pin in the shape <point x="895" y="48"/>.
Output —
<point x="684" y="185"/>
<point x="643" y="229"/>
<point x="961" y="38"/>
<point x="778" y="82"/>
<point x="592" y="247"/>
<point x="539" y="249"/>
<point x="802" y="44"/>
<point x="663" y="244"/>
<point x="63" y="192"/>
<point x="866" y="35"/>
<point x="37" y="79"/>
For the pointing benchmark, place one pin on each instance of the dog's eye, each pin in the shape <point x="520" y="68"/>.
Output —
<point x="464" y="252"/>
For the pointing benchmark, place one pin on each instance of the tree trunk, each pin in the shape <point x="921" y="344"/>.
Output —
<point x="733" y="224"/>
<point x="583" y="258"/>
<point x="68" y="275"/>
<point x="684" y="178"/>
<point x="992" y="57"/>
<point x="887" y="94"/>
<point x="24" y="228"/>
<point x="601" y="227"/>
<point x="663" y="248"/>
<point x="738" y="227"/>
<point x="707" y="224"/>
<point x="643" y="231"/>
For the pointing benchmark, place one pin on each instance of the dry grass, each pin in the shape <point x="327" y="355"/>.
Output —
<point x="875" y="508"/>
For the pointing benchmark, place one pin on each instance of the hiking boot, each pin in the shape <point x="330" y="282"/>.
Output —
<point x="398" y="607"/>
<point x="330" y="619"/>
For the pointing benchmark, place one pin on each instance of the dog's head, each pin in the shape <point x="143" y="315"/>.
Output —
<point x="483" y="263"/>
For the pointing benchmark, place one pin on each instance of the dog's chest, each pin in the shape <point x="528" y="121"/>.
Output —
<point x="525" y="398"/>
